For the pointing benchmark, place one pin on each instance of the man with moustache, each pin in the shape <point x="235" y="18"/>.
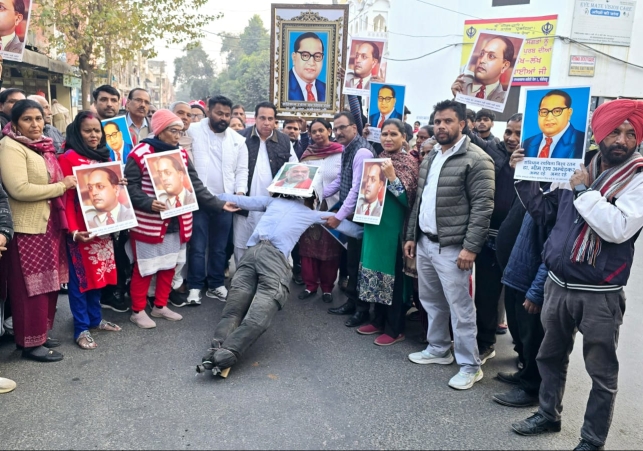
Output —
<point x="104" y="188"/>
<point x="184" y="111"/>
<point x="138" y="106"/>
<point x="495" y="58"/>
<point x="221" y="160"/>
<point x="367" y="56"/>
<point x="596" y="217"/>
<point x="240" y="112"/>
<point x="106" y="101"/>
<point x="448" y="236"/>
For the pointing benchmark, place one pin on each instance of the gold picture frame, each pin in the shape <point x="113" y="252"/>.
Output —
<point x="308" y="88"/>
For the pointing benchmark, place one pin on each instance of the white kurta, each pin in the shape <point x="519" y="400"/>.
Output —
<point x="261" y="180"/>
<point x="329" y="168"/>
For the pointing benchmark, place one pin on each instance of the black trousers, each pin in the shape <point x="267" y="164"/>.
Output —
<point x="123" y="267"/>
<point x="527" y="332"/>
<point x="353" y="257"/>
<point x="296" y="260"/>
<point x="487" y="296"/>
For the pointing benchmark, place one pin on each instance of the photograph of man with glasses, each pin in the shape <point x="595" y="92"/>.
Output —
<point x="307" y="61"/>
<point x="118" y="138"/>
<point x="383" y="104"/>
<point x="557" y="138"/>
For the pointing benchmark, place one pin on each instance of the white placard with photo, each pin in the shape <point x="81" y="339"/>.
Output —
<point x="372" y="193"/>
<point x="171" y="182"/>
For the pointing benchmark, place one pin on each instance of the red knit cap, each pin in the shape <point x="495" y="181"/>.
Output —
<point x="163" y="119"/>
<point x="610" y="115"/>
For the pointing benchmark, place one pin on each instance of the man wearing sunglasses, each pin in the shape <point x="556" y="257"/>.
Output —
<point x="307" y="64"/>
<point x="558" y="137"/>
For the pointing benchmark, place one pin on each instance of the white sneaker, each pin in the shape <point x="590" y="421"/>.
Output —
<point x="220" y="293"/>
<point x="425" y="357"/>
<point x="194" y="296"/>
<point x="464" y="381"/>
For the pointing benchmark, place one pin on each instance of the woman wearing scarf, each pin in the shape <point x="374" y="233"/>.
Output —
<point x="381" y="277"/>
<point x="320" y="252"/>
<point x="91" y="260"/>
<point x="36" y="257"/>
<point x="158" y="245"/>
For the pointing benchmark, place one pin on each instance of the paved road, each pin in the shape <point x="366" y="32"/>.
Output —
<point x="308" y="383"/>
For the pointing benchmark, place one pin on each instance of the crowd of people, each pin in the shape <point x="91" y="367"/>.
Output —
<point x="456" y="229"/>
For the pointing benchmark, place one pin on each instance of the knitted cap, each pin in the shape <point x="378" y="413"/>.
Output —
<point x="163" y="119"/>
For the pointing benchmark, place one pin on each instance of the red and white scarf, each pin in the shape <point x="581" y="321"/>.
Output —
<point x="610" y="183"/>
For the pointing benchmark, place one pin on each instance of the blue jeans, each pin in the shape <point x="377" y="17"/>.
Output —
<point x="85" y="307"/>
<point x="209" y="233"/>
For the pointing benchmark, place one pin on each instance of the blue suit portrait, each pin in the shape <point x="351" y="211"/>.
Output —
<point x="124" y="152"/>
<point x="570" y="145"/>
<point x="374" y="118"/>
<point x="295" y="93"/>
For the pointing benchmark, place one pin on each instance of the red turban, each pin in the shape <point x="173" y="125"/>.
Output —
<point x="610" y="115"/>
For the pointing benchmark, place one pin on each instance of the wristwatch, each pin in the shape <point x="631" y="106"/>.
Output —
<point x="580" y="189"/>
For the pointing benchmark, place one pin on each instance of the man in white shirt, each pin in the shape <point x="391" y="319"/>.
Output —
<point x="448" y="236"/>
<point x="221" y="160"/>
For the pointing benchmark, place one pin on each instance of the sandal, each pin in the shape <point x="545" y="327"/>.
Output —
<point x="85" y="340"/>
<point x="106" y="325"/>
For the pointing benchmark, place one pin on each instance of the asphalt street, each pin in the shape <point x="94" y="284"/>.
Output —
<point x="308" y="383"/>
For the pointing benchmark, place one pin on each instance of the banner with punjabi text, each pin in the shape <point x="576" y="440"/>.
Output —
<point x="533" y="67"/>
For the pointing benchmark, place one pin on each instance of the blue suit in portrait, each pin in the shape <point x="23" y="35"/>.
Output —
<point x="374" y="118"/>
<point x="570" y="145"/>
<point x="295" y="93"/>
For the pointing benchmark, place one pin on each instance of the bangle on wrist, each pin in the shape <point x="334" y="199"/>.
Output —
<point x="73" y="235"/>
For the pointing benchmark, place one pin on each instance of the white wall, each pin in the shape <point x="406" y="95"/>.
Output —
<point x="429" y="79"/>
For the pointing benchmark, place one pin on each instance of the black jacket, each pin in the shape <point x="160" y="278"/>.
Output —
<point x="278" y="146"/>
<point x="6" y="222"/>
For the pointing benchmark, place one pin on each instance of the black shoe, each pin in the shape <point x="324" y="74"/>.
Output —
<point x="584" y="445"/>
<point x="509" y="378"/>
<point x="298" y="279"/>
<point x="41" y="354"/>
<point x="347" y="308"/>
<point x="486" y="354"/>
<point x="116" y="301"/>
<point x="306" y="294"/>
<point x="535" y="425"/>
<point x="177" y="299"/>
<point x="357" y="319"/>
<point x="516" y="397"/>
<point x="327" y="298"/>
<point x="64" y="288"/>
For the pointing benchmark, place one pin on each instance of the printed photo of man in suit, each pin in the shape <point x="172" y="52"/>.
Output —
<point x="307" y="64"/>
<point x="297" y="176"/>
<point x="172" y="176"/>
<point x="367" y="56"/>
<point x="558" y="137"/>
<point x="368" y="203"/>
<point x="104" y="189"/>
<point x="386" y="107"/>
<point x="495" y="58"/>
<point x="119" y="149"/>
<point x="12" y="12"/>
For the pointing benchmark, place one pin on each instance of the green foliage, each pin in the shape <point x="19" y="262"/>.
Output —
<point x="194" y="71"/>
<point x="246" y="78"/>
<point x="114" y="31"/>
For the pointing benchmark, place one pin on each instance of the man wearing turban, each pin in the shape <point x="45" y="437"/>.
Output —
<point x="596" y="219"/>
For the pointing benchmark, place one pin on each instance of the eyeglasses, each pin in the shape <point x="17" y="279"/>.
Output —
<point x="198" y="116"/>
<point x="341" y="128"/>
<point x="143" y="101"/>
<point x="174" y="131"/>
<point x="112" y="135"/>
<point x="544" y="112"/>
<point x="305" y="56"/>
<point x="385" y="99"/>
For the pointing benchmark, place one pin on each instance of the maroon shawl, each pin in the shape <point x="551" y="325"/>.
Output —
<point x="314" y="152"/>
<point x="407" y="169"/>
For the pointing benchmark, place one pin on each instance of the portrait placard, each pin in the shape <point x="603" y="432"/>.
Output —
<point x="386" y="102"/>
<point x="105" y="204"/>
<point x="118" y="137"/>
<point x="16" y="19"/>
<point x="553" y="129"/>
<point x="295" y="179"/>
<point x="372" y="193"/>
<point x="308" y="45"/>
<point x="486" y="78"/>
<point x="365" y="65"/>
<point x="171" y="182"/>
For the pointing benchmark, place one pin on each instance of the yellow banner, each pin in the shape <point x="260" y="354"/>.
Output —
<point x="533" y="66"/>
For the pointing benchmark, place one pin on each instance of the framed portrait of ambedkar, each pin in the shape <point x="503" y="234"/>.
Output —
<point x="308" y="46"/>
